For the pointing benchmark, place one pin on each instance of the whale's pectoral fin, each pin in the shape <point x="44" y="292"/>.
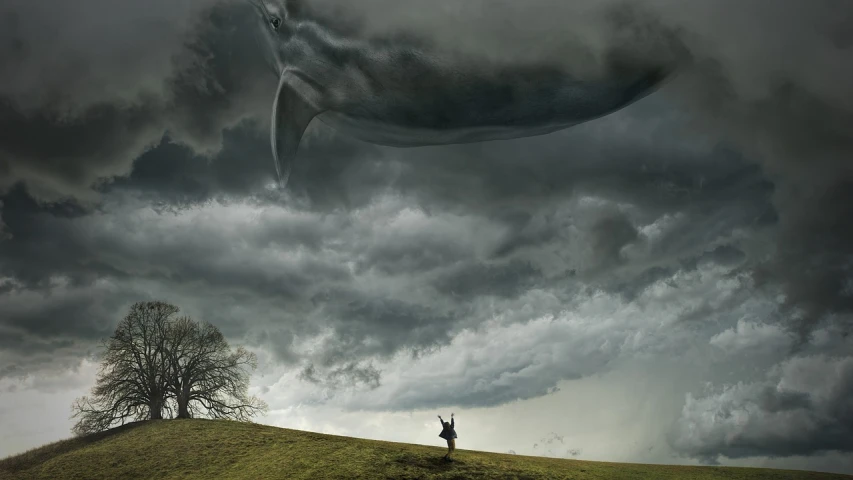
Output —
<point x="294" y="107"/>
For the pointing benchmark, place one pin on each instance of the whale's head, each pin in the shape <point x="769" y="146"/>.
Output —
<point x="274" y="27"/>
<point x="276" y="19"/>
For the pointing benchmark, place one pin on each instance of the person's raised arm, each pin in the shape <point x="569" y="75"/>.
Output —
<point x="440" y="420"/>
<point x="452" y="421"/>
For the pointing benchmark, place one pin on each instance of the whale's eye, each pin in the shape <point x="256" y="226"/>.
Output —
<point x="275" y="22"/>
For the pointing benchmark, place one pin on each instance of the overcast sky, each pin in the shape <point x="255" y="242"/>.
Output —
<point x="672" y="283"/>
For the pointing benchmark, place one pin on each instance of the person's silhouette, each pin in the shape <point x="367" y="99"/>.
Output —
<point x="448" y="433"/>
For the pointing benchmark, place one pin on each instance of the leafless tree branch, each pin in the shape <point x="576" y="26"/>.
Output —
<point x="155" y="363"/>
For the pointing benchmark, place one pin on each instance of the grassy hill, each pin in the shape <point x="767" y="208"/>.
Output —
<point x="208" y="449"/>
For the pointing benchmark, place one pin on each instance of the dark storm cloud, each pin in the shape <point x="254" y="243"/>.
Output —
<point x="63" y="317"/>
<point x="478" y="279"/>
<point x="173" y="175"/>
<point x="571" y="34"/>
<point x="796" y="118"/>
<point x="802" y="409"/>
<point x="815" y="254"/>
<point x="43" y="331"/>
<point x="608" y="235"/>
<point x="42" y="244"/>
<point x="368" y="326"/>
<point x="79" y="112"/>
<point x="709" y="194"/>
<point x="347" y="376"/>
<point x="4" y="234"/>
<point x="78" y="152"/>
<point x="91" y="51"/>
<point x="516" y="182"/>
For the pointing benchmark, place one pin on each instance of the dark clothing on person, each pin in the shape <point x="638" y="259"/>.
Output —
<point x="448" y="432"/>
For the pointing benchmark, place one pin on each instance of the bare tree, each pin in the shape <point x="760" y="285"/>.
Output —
<point x="132" y="382"/>
<point x="206" y="377"/>
<point x="154" y="362"/>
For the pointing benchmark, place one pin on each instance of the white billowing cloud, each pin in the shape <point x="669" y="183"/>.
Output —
<point x="276" y="238"/>
<point x="749" y="335"/>
<point x="802" y="408"/>
<point x="500" y="349"/>
<point x="501" y="361"/>
<point x="210" y="259"/>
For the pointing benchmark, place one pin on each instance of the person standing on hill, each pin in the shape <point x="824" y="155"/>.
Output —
<point x="448" y="433"/>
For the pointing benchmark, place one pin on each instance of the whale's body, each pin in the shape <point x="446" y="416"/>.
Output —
<point x="404" y="95"/>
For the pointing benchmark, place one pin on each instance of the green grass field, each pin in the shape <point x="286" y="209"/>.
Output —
<point x="208" y="449"/>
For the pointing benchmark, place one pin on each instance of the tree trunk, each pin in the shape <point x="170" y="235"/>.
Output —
<point x="156" y="411"/>
<point x="184" y="403"/>
<point x="183" y="408"/>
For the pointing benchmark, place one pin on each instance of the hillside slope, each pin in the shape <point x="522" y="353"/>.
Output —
<point x="207" y="449"/>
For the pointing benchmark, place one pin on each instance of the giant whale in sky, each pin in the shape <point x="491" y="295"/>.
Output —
<point x="401" y="93"/>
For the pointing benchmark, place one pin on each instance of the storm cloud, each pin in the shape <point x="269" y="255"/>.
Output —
<point x="802" y="408"/>
<point x="86" y="90"/>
